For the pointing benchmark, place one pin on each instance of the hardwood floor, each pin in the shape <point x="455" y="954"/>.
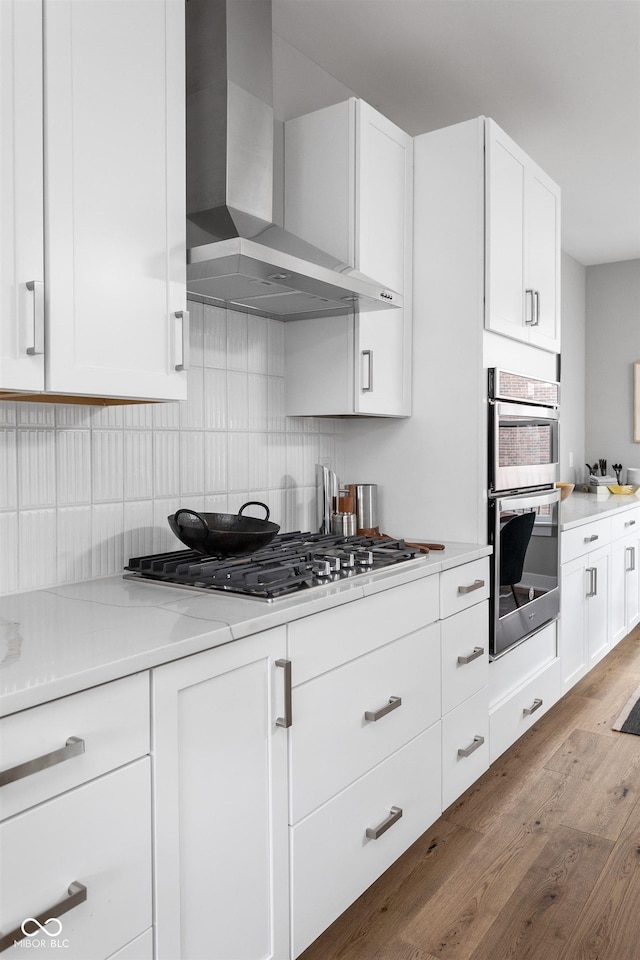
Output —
<point x="538" y="860"/>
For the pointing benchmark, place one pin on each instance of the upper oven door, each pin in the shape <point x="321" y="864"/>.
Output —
<point x="523" y="445"/>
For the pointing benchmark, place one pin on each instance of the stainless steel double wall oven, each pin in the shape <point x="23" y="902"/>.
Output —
<point x="523" y="506"/>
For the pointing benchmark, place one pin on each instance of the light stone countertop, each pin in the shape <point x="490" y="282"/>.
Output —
<point x="581" y="508"/>
<point x="60" y="640"/>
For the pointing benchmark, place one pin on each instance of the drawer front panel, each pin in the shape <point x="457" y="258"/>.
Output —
<point x="332" y="743"/>
<point x="464" y="586"/>
<point x="324" y="641"/>
<point x="333" y="858"/>
<point x="465" y="746"/>
<point x="520" y="711"/>
<point x="625" y="522"/>
<point x="112" y="720"/>
<point x="465" y="670"/>
<point x="580" y="540"/>
<point x="98" y="835"/>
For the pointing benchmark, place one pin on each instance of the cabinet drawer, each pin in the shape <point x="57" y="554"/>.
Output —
<point x="333" y="858"/>
<point x="513" y="717"/>
<point x="98" y="835"/>
<point x="580" y="540"/>
<point x="327" y="639"/>
<point x="112" y="720"/>
<point x="463" y="586"/>
<point x="465" y="669"/>
<point x="465" y="746"/>
<point x="628" y="521"/>
<point x="332" y="742"/>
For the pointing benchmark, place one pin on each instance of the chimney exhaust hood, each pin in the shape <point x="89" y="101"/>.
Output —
<point x="236" y="253"/>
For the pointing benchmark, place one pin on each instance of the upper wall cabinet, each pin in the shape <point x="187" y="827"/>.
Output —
<point x="349" y="191"/>
<point x="107" y="316"/>
<point x="522" y="245"/>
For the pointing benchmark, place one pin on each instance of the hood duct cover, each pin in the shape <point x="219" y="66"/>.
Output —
<point x="237" y="254"/>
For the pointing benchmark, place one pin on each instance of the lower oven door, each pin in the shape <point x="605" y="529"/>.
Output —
<point x="525" y="594"/>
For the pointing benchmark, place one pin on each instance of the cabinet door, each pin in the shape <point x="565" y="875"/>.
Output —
<point x="621" y="553"/>
<point x="573" y="639"/>
<point x="221" y="803"/>
<point x="21" y="197"/>
<point x="543" y="267"/>
<point x="597" y="596"/>
<point x="383" y="363"/>
<point x="505" y="228"/>
<point x="115" y="206"/>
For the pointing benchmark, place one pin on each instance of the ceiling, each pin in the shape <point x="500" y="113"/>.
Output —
<point x="562" y="77"/>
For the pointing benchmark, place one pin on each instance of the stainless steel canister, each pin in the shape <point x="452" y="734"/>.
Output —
<point x="366" y="506"/>
<point x="343" y="524"/>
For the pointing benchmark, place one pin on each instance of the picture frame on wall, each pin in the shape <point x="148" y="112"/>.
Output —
<point x="636" y="401"/>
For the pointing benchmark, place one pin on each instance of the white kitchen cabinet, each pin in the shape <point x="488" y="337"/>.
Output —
<point x="625" y="578"/>
<point x="220" y="777"/>
<point x="522" y="245"/>
<point x="21" y="195"/>
<point x="585" y="603"/>
<point x="75" y="836"/>
<point x="349" y="191"/>
<point x="111" y="321"/>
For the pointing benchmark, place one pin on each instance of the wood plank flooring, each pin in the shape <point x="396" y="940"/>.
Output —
<point x="538" y="860"/>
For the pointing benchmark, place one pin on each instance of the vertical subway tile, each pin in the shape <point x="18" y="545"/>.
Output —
<point x="257" y="344"/>
<point x="107" y="465"/>
<point x="166" y="463"/>
<point x="138" y="416"/>
<point x="214" y="323"/>
<point x="36" y="414"/>
<point x="258" y="462"/>
<point x="138" y="529"/>
<point x="166" y="416"/>
<point x="109" y="416"/>
<point x="107" y="536"/>
<point x="237" y="400"/>
<point x="138" y="464"/>
<point x="37" y="548"/>
<point x="215" y="462"/>
<point x="36" y="468"/>
<point x="275" y="348"/>
<point x="7" y="413"/>
<point x="257" y="394"/>
<point x="192" y="409"/>
<point x="191" y="464"/>
<point x="238" y="471"/>
<point x="215" y="400"/>
<point x="74" y="542"/>
<point x="219" y="503"/>
<point x="295" y="459"/>
<point x="8" y="552"/>
<point x="73" y="415"/>
<point x="196" y="344"/>
<point x="8" y="470"/>
<point x="163" y="538"/>
<point x="276" y="404"/>
<point x="277" y="454"/>
<point x="237" y="345"/>
<point x="73" y="466"/>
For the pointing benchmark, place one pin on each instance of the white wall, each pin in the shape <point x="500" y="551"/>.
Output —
<point x="613" y="344"/>
<point x="572" y="423"/>
<point x="83" y="488"/>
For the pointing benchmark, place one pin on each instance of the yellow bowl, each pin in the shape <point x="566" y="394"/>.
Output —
<point x="565" y="489"/>
<point x="627" y="488"/>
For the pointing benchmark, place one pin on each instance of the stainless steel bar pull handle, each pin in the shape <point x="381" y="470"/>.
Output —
<point x="368" y="380"/>
<point x="186" y="327"/>
<point x="591" y="592"/>
<point x="632" y="555"/>
<point x="630" y="523"/>
<point x="394" y="815"/>
<point x="72" y="748"/>
<point x="287" y="720"/>
<point x="527" y="711"/>
<point x="530" y="318"/>
<point x="536" y="322"/>
<point x="475" y="745"/>
<point x="594" y="536"/>
<point x="477" y="652"/>
<point x="77" y="893"/>
<point x="394" y="703"/>
<point x="37" y="288"/>
<point x="476" y="585"/>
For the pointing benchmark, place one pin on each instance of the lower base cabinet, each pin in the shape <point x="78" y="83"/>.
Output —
<point x="338" y="851"/>
<point x="220" y="797"/>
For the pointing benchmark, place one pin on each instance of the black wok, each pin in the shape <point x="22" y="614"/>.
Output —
<point x="223" y="534"/>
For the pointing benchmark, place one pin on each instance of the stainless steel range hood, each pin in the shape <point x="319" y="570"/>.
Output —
<point x="237" y="254"/>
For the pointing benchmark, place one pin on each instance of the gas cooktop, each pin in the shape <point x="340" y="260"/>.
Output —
<point x="291" y="562"/>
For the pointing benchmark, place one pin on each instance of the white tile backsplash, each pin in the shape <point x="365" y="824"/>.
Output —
<point x="83" y="488"/>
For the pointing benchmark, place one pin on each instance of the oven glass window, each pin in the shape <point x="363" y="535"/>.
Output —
<point x="527" y="553"/>
<point x="525" y="442"/>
